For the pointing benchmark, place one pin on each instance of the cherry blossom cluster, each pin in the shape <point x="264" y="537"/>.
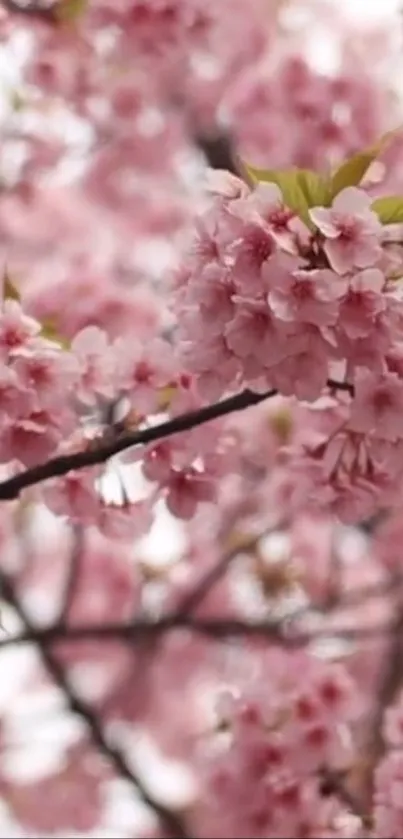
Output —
<point x="123" y="121"/>
<point x="61" y="398"/>
<point x="267" y="300"/>
<point x="280" y="750"/>
<point x="55" y="398"/>
<point x="277" y="108"/>
<point x="274" y="750"/>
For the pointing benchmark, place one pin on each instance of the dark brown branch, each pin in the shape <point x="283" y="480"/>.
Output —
<point x="170" y="821"/>
<point x="32" y="10"/>
<point x="333" y="783"/>
<point x="214" y="628"/>
<point x="218" y="152"/>
<point x="58" y="466"/>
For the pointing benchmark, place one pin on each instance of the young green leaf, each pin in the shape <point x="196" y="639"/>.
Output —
<point x="389" y="209"/>
<point x="353" y="170"/>
<point x="315" y="188"/>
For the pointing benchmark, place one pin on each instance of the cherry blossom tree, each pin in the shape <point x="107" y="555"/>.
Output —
<point x="201" y="436"/>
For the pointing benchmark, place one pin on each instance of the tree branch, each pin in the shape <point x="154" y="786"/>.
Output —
<point x="32" y="10"/>
<point x="214" y="628"/>
<point x="171" y="822"/>
<point x="194" y="598"/>
<point x="218" y="152"/>
<point x="61" y="465"/>
<point x="333" y="783"/>
<point x="58" y="466"/>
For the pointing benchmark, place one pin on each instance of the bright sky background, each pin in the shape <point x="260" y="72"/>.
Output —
<point x="370" y="9"/>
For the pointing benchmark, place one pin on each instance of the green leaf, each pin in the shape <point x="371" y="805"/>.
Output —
<point x="68" y="11"/>
<point x="257" y="175"/>
<point x="50" y="333"/>
<point x="301" y="189"/>
<point x="9" y="290"/>
<point x="316" y="189"/>
<point x="389" y="209"/>
<point x="352" y="171"/>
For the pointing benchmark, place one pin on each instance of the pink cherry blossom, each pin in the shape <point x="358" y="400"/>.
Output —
<point x="309" y="297"/>
<point x="15" y="399"/>
<point x="304" y="368"/>
<point x="81" y="778"/>
<point x="253" y="331"/>
<point x="377" y="405"/>
<point x="185" y="490"/>
<point x="142" y="371"/>
<point x="91" y="348"/>
<point x="388" y="811"/>
<point x="16" y="329"/>
<point x="351" y="229"/>
<point x="32" y="438"/>
<point x="74" y="496"/>
<point x="46" y="374"/>
<point x="252" y="250"/>
<point x="362" y="303"/>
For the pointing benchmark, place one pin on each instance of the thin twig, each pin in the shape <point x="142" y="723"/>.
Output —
<point x="335" y="784"/>
<point x="218" y="152"/>
<point x="333" y="594"/>
<point x="390" y="683"/>
<point x="334" y="385"/>
<point x="171" y="822"/>
<point x="194" y="598"/>
<point x="73" y="573"/>
<point x="32" y="10"/>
